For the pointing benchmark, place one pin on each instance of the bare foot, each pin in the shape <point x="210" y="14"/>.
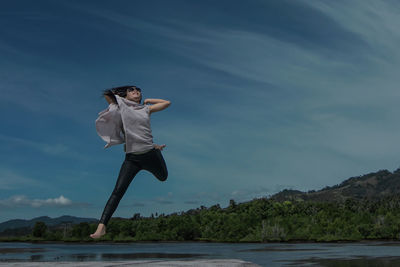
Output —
<point x="101" y="230"/>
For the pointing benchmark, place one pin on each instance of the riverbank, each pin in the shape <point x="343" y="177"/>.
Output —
<point x="299" y="241"/>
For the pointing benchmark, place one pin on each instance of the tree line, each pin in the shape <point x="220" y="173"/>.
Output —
<point x="260" y="220"/>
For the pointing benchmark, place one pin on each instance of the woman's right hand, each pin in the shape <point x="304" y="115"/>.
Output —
<point x="160" y="147"/>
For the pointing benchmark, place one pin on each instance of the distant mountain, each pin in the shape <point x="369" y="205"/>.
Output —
<point x="373" y="185"/>
<point x="19" y="223"/>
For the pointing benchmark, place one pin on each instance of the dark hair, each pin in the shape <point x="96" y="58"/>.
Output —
<point x="121" y="91"/>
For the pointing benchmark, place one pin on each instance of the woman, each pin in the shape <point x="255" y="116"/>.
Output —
<point x="127" y="121"/>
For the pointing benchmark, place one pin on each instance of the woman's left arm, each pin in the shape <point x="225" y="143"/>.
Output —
<point x="157" y="104"/>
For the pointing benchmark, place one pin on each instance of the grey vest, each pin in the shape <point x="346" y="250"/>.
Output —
<point x="136" y="125"/>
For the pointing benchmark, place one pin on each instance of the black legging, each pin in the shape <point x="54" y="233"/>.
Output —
<point x="151" y="161"/>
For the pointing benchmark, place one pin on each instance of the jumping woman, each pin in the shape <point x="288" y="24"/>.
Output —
<point x="127" y="121"/>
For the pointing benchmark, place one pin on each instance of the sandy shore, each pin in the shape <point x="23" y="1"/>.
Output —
<point x="141" y="263"/>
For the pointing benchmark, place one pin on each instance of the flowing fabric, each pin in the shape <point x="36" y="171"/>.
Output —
<point x="109" y="126"/>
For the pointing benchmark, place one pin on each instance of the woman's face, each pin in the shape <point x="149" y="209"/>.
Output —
<point x="133" y="94"/>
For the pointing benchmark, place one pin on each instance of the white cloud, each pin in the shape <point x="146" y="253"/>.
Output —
<point x="23" y="201"/>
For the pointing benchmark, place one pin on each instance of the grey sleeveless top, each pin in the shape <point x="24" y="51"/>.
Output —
<point x="126" y="122"/>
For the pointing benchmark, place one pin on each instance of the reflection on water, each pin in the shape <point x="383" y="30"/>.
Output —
<point x="388" y="244"/>
<point x="21" y="250"/>
<point x="37" y="257"/>
<point x="82" y="257"/>
<point x="263" y="254"/>
<point x="283" y="248"/>
<point x="94" y="252"/>
<point x="358" y="262"/>
<point x="131" y="256"/>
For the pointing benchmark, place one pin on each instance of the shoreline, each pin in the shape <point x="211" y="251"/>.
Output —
<point x="91" y="242"/>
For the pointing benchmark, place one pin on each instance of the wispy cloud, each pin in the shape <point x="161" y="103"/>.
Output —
<point x="61" y="150"/>
<point x="192" y="202"/>
<point x="7" y="49"/>
<point x="240" y="195"/>
<point x="10" y="180"/>
<point x="163" y="201"/>
<point x="135" y="203"/>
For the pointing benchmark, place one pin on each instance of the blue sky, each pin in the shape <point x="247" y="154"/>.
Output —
<point x="265" y="95"/>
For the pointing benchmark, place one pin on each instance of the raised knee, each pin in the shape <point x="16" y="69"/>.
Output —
<point x="164" y="177"/>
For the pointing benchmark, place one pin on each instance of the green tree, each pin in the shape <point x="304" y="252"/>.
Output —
<point x="81" y="230"/>
<point x="39" y="230"/>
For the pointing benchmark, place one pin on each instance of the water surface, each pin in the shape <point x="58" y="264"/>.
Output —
<point x="266" y="254"/>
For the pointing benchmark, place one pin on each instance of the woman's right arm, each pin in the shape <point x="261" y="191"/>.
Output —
<point x="110" y="97"/>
